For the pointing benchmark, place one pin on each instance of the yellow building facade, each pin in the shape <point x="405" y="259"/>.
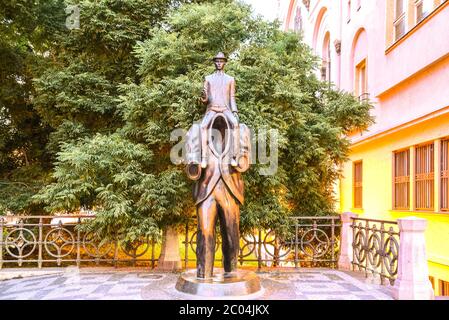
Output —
<point x="377" y="157"/>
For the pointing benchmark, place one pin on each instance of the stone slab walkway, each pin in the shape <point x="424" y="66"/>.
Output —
<point x="138" y="284"/>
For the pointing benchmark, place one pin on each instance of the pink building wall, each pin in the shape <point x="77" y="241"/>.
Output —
<point x="406" y="82"/>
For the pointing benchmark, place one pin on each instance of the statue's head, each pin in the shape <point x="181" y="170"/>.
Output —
<point x="220" y="61"/>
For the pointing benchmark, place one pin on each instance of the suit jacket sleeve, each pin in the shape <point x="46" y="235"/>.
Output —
<point x="232" y="96"/>
<point x="205" y="97"/>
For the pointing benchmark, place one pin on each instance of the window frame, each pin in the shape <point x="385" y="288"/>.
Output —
<point x="425" y="14"/>
<point x="298" y="22"/>
<point x="363" y="64"/>
<point x="399" y="19"/>
<point x="326" y="63"/>
<point x="406" y="178"/>
<point x="411" y="27"/>
<point x="417" y="179"/>
<point x="348" y="11"/>
<point x="357" y="184"/>
<point x="444" y="288"/>
<point x="444" y="175"/>
<point x="432" y="281"/>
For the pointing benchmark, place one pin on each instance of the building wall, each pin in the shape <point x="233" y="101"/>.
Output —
<point x="388" y="66"/>
<point x="408" y="84"/>
<point x="377" y="198"/>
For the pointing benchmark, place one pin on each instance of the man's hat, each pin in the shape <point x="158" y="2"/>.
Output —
<point x="220" y="55"/>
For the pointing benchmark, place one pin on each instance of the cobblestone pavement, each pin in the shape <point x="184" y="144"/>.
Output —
<point x="80" y="284"/>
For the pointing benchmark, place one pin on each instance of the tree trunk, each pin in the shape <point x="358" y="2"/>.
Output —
<point x="26" y="157"/>
<point x="169" y="260"/>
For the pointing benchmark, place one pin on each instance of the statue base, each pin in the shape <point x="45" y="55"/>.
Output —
<point x="238" y="283"/>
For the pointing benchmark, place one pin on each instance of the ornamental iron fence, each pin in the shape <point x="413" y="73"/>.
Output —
<point x="48" y="240"/>
<point x="313" y="242"/>
<point x="376" y="248"/>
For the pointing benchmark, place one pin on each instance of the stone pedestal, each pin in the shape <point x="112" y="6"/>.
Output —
<point x="413" y="281"/>
<point x="235" y="284"/>
<point x="169" y="259"/>
<point x="346" y="238"/>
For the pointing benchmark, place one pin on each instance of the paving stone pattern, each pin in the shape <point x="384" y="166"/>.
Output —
<point x="322" y="284"/>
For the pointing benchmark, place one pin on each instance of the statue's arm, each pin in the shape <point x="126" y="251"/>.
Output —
<point x="232" y="97"/>
<point x="205" y="96"/>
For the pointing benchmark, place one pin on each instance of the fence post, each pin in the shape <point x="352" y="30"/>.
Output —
<point x="346" y="239"/>
<point x="1" y="242"/>
<point x="296" y="243"/>
<point x="39" y="257"/>
<point x="383" y="249"/>
<point x="152" y="254"/>
<point x="333" y="241"/>
<point x="259" y="251"/>
<point x="169" y="259"/>
<point x="78" y="243"/>
<point x="116" y="249"/>
<point x="186" y="247"/>
<point x="413" y="281"/>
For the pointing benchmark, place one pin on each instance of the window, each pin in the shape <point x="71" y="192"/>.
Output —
<point x="401" y="180"/>
<point x="349" y="11"/>
<point x="298" y="20"/>
<point x="361" y="83"/>
<point x="444" y="288"/>
<point x="432" y="281"/>
<point x="424" y="177"/>
<point x="357" y="184"/>
<point x="326" y="60"/>
<point x="444" y="179"/>
<point x="406" y="16"/>
<point x="423" y="8"/>
<point x="399" y="19"/>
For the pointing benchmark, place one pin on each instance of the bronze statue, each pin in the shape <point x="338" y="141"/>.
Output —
<point x="216" y="164"/>
<point x="219" y="96"/>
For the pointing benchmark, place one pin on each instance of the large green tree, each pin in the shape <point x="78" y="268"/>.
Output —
<point x="60" y="84"/>
<point x="28" y="28"/>
<point x="128" y="176"/>
<point x="76" y="96"/>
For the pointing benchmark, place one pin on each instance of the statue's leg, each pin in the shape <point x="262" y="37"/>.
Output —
<point x="204" y="136"/>
<point x="229" y="214"/>
<point x="205" y="246"/>
<point x="234" y="124"/>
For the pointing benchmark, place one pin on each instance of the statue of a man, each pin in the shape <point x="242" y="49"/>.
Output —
<point x="218" y="190"/>
<point x="219" y="96"/>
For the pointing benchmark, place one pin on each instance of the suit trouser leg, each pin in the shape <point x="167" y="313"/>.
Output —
<point x="235" y="131"/>
<point x="204" y="133"/>
<point x="229" y="215"/>
<point x="205" y="246"/>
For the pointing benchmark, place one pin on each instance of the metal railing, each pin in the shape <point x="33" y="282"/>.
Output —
<point x="313" y="243"/>
<point x="364" y="97"/>
<point x="35" y="241"/>
<point x="376" y="247"/>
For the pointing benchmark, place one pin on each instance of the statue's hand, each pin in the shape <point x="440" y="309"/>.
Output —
<point x="203" y="97"/>
<point x="193" y="171"/>
<point x="243" y="163"/>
